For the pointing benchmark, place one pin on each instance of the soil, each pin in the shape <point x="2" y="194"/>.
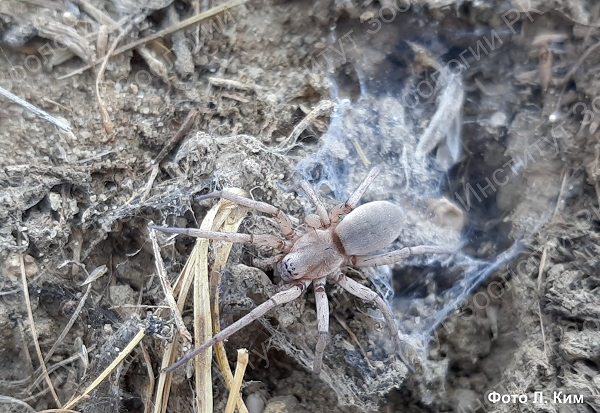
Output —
<point x="522" y="173"/>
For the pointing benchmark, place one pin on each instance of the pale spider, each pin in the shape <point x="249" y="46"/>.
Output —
<point x="316" y="255"/>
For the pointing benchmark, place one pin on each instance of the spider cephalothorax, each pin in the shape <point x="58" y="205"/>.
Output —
<point x="317" y="254"/>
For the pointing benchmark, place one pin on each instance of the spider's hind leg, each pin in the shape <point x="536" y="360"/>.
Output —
<point x="280" y="298"/>
<point x="367" y="294"/>
<point x="323" y="323"/>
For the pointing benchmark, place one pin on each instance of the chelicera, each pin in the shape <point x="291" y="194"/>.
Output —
<point x="316" y="255"/>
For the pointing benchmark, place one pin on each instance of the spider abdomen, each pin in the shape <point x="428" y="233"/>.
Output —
<point x="370" y="227"/>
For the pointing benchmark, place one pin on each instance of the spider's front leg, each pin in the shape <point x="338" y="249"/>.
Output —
<point x="280" y="298"/>
<point x="260" y="240"/>
<point x="284" y="222"/>
<point x="367" y="294"/>
<point x="352" y="202"/>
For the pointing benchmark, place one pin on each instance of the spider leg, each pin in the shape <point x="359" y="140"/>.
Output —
<point x="312" y="196"/>
<point x="323" y="322"/>
<point x="367" y="294"/>
<point x="280" y="298"/>
<point x="261" y="240"/>
<point x="284" y="222"/>
<point x="342" y="209"/>
<point x="393" y="257"/>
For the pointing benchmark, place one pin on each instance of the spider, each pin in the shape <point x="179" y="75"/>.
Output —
<point x="317" y="255"/>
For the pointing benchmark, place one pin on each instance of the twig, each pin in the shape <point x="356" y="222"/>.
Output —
<point x="353" y="337"/>
<point x="290" y="141"/>
<point x="574" y="69"/>
<point x="57" y="104"/>
<point x="240" y="369"/>
<point x="148" y="188"/>
<point x="69" y="324"/>
<point x="184" y="64"/>
<point x="162" y="275"/>
<point x="105" y="118"/>
<point x="162" y="33"/>
<point x="539" y="287"/>
<point x="147" y="399"/>
<point x="565" y="177"/>
<point x="25" y="344"/>
<point x="126" y="351"/>
<point x="37" y="111"/>
<point x="54" y="367"/>
<point x="183" y="130"/>
<point x="156" y="65"/>
<point x="361" y="153"/>
<point x="232" y="84"/>
<point x="99" y="15"/>
<point x="34" y="332"/>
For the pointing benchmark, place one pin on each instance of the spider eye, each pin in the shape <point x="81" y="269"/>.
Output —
<point x="287" y="271"/>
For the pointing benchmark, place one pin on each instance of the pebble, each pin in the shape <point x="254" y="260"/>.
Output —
<point x="281" y="404"/>
<point x="255" y="403"/>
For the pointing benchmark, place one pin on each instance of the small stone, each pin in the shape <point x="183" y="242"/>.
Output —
<point x="255" y="403"/>
<point x="69" y="19"/>
<point x="498" y="119"/>
<point x="55" y="201"/>
<point x="281" y="404"/>
<point x="233" y="67"/>
<point x="123" y="295"/>
<point x="12" y="267"/>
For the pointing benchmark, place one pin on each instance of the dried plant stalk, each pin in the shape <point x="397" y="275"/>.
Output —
<point x="126" y="351"/>
<point x="184" y="65"/>
<point x="68" y="36"/>
<point x="197" y="266"/>
<point x="164" y="282"/>
<point x="105" y="118"/>
<point x="181" y="289"/>
<point x="231" y="225"/>
<point x="290" y="141"/>
<point x="162" y="33"/>
<point x="240" y="369"/>
<point x="34" y="332"/>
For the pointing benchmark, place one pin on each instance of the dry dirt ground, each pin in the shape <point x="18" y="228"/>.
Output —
<point x="73" y="202"/>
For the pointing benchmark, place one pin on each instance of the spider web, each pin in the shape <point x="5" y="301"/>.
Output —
<point x="414" y="160"/>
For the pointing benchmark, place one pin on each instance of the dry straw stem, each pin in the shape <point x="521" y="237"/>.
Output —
<point x="232" y="84"/>
<point x="234" y="394"/>
<point x="231" y="222"/>
<point x="353" y="337"/>
<point x="34" y="332"/>
<point x="34" y="109"/>
<point x="290" y="141"/>
<point x="164" y="282"/>
<point x="162" y="33"/>
<point x="183" y="130"/>
<point x="202" y="317"/>
<point x="149" y="391"/>
<point x="105" y="118"/>
<point x="126" y="351"/>
<point x="198" y="259"/>
<point x="69" y="324"/>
